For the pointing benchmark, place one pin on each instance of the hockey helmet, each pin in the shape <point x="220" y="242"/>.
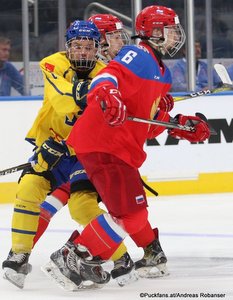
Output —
<point x="161" y="27"/>
<point x="82" y="35"/>
<point x="113" y="34"/>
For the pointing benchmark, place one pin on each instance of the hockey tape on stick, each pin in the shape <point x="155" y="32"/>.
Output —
<point x="15" y="169"/>
<point x="223" y="74"/>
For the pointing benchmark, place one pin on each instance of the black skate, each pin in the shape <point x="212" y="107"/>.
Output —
<point x="16" y="268"/>
<point x="153" y="263"/>
<point x="63" y="268"/>
<point x="72" y="268"/>
<point x="124" y="271"/>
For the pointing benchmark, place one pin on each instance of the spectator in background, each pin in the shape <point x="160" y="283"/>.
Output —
<point x="9" y="75"/>
<point x="179" y="72"/>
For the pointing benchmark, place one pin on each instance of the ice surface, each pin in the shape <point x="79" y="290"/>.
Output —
<point x="196" y="233"/>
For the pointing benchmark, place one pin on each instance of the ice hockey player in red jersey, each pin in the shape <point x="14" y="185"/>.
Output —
<point x="113" y="37"/>
<point x="110" y="147"/>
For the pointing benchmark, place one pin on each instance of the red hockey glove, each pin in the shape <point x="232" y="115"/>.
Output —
<point x="112" y="105"/>
<point x="166" y="103"/>
<point x="201" y="129"/>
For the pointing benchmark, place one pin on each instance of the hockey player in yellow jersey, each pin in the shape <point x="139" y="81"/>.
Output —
<point x="83" y="208"/>
<point x="67" y="76"/>
<point x="113" y="37"/>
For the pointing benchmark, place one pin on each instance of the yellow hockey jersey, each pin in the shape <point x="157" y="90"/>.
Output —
<point x="59" y="110"/>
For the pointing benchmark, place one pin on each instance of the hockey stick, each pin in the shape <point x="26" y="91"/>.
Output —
<point x="161" y="123"/>
<point x="223" y="88"/>
<point x="171" y="124"/>
<point x="15" y="169"/>
<point x="223" y="74"/>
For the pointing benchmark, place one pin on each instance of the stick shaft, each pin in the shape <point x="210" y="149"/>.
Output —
<point x="225" y="87"/>
<point x="171" y="124"/>
<point x="15" y="169"/>
<point x="161" y="123"/>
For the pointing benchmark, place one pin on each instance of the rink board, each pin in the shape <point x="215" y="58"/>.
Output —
<point x="171" y="168"/>
<point x="205" y="184"/>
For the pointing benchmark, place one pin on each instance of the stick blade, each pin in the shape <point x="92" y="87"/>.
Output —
<point x="223" y="74"/>
<point x="203" y="117"/>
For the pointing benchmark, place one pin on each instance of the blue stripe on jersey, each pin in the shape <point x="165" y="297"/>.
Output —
<point x="26" y="212"/>
<point x="143" y="64"/>
<point x="100" y="79"/>
<point x="110" y="232"/>
<point x="48" y="207"/>
<point x="23" y="231"/>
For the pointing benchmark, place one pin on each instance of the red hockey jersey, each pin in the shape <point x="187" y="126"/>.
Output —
<point x="142" y="80"/>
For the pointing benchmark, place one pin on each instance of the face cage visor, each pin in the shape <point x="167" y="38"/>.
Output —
<point x="116" y="40"/>
<point x="82" y="53"/>
<point x="172" y="40"/>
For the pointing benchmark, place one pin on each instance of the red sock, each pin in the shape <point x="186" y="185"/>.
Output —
<point x="49" y="209"/>
<point x="42" y="226"/>
<point x="145" y="236"/>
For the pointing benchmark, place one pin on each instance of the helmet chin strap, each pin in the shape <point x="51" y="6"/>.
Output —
<point x="105" y="58"/>
<point x="106" y="52"/>
<point x="157" y="46"/>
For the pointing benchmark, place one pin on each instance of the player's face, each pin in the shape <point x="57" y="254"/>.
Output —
<point x="4" y="52"/>
<point x="172" y="37"/>
<point x="115" y="40"/>
<point x="168" y="39"/>
<point x="82" y="49"/>
<point x="157" y="32"/>
<point x="82" y="53"/>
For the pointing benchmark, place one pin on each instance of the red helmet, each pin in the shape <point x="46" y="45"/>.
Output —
<point x="114" y="36"/>
<point x="162" y="18"/>
<point x="106" y="23"/>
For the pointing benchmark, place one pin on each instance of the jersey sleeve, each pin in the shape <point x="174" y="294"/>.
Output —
<point x="57" y="89"/>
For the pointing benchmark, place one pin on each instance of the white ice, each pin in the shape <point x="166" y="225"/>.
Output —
<point x="196" y="233"/>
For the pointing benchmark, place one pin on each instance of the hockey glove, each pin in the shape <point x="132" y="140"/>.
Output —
<point x="111" y="103"/>
<point x="201" y="129"/>
<point x="80" y="90"/>
<point x="166" y="103"/>
<point x="48" y="155"/>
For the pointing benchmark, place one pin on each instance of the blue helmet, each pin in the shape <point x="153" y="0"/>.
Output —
<point x="83" y="29"/>
<point x="76" y="37"/>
